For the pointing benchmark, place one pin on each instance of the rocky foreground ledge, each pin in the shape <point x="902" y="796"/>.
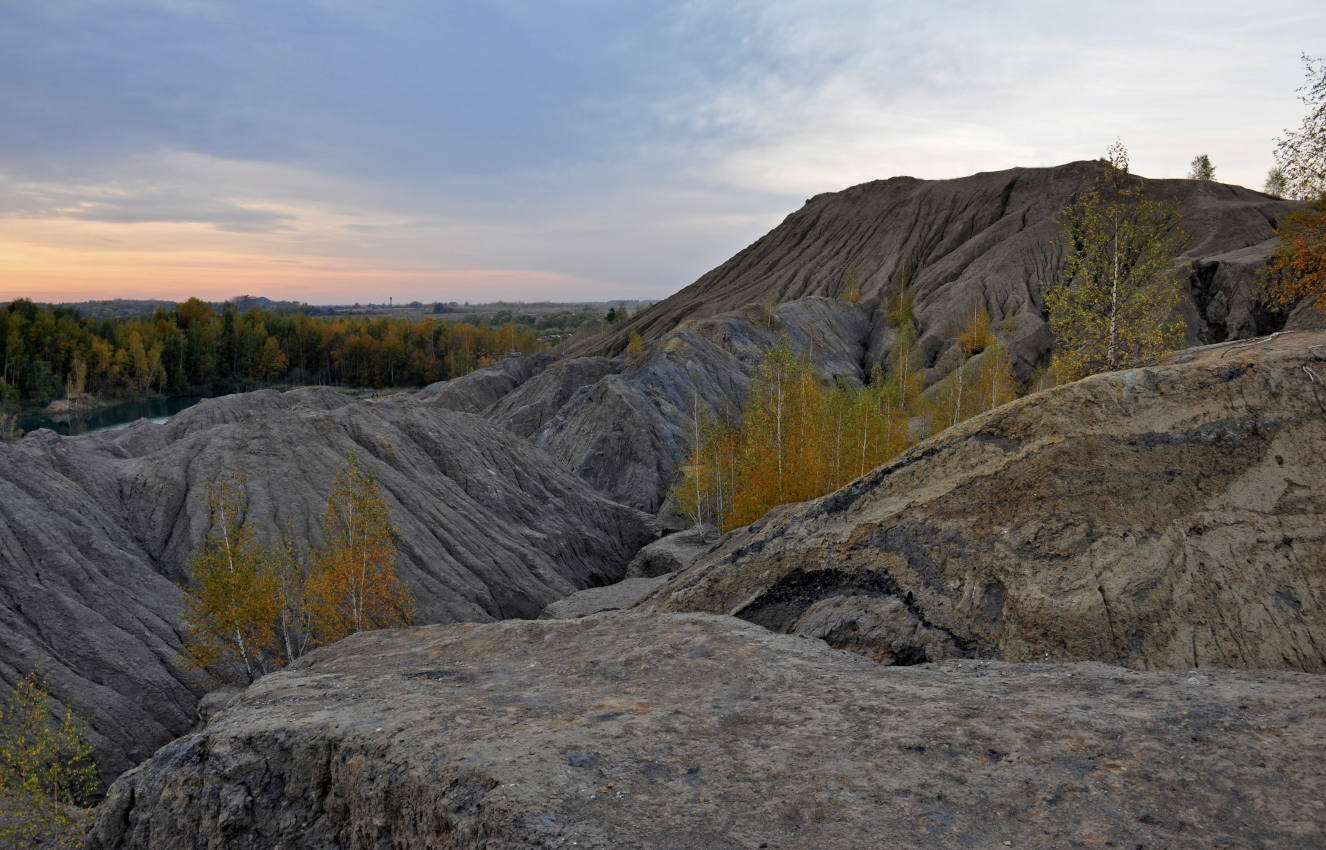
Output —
<point x="704" y="731"/>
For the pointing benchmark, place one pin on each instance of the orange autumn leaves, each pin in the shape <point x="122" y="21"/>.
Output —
<point x="47" y="774"/>
<point x="234" y="595"/>
<point x="251" y="608"/>
<point x="352" y="586"/>
<point x="1297" y="269"/>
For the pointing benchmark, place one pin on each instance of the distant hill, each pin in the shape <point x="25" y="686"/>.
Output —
<point x="129" y="308"/>
<point x="988" y="239"/>
<point x="561" y="314"/>
<point x="116" y="308"/>
<point x="257" y="302"/>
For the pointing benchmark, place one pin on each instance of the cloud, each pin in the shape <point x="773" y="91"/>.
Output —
<point x="628" y="145"/>
<point x="159" y="208"/>
<point x="121" y="203"/>
<point x="832" y="94"/>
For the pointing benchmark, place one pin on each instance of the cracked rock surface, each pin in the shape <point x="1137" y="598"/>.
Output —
<point x="700" y="731"/>
<point x="1166" y="517"/>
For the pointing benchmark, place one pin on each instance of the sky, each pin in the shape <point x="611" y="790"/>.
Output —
<point x="341" y="151"/>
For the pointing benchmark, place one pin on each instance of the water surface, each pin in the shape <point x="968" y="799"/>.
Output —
<point x="111" y="417"/>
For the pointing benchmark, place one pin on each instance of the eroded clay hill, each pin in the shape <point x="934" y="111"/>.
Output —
<point x="520" y="484"/>
<point x="1168" y="517"/>
<point x="95" y="530"/>
<point x="624" y="425"/>
<point x="988" y="240"/>
<point x="700" y="732"/>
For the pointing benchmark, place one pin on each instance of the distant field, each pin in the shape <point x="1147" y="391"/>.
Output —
<point x="496" y="312"/>
<point x="489" y="313"/>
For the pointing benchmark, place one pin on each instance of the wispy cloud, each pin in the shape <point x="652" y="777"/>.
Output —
<point x="600" y="146"/>
<point x="160" y="207"/>
<point x="841" y="92"/>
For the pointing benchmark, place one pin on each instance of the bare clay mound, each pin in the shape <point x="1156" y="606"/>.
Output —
<point x="95" y="530"/>
<point x="987" y="239"/>
<point x="1161" y="518"/>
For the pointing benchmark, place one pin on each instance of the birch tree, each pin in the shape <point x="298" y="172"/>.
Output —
<point x="353" y="585"/>
<point x="234" y="590"/>
<point x="1297" y="269"/>
<point x="46" y="770"/>
<point x="1300" y="155"/>
<point x="1201" y="168"/>
<point x="1115" y="305"/>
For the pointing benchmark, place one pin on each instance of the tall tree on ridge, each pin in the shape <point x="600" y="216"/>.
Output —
<point x="1115" y="304"/>
<point x="1201" y="168"/>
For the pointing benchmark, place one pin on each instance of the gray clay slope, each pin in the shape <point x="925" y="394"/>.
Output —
<point x="96" y="529"/>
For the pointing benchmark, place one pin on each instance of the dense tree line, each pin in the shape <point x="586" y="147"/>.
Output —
<point x="49" y="352"/>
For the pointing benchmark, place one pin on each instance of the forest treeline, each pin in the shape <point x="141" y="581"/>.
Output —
<point x="50" y="352"/>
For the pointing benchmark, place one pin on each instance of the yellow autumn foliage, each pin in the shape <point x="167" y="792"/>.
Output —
<point x="252" y="608"/>
<point x="798" y="438"/>
<point x="46" y="770"/>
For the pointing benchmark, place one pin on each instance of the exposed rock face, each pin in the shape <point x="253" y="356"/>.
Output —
<point x="1167" y="517"/>
<point x="698" y="731"/>
<point x="879" y="626"/>
<point x="93" y="530"/>
<point x="988" y="239"/>
<point x="596" y="600"/>
<point x="673" y="553"/>
<point x="80" y="602"/>
<point x="542" y="398"/>
<point x="481" y="389"/>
